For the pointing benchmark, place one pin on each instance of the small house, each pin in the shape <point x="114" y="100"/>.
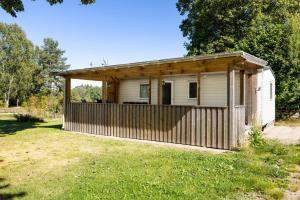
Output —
<point x="203" y="101"/>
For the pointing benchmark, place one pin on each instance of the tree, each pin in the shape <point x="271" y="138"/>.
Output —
<point x="87" y="93"/>
<point x="50" y="60"/>
<point x="14" y="6"/>
<point x="268" y="29"/>
<point x="18" y="61"/>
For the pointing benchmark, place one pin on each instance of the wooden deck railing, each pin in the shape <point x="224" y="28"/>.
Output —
<point x="190" y="125"/>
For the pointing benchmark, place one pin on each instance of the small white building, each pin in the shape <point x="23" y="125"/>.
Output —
<point x="182" y="90"/>
<point x="209" y="97"/>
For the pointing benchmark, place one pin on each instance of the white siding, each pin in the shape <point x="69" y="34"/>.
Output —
<point x="129" y="90"/>
<point x="181" y="89"/>
<point x="213" y="89"/>
<point x="267" y="104"/>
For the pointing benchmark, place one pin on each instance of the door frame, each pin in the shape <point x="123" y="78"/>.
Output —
<point x="172" y="90"/>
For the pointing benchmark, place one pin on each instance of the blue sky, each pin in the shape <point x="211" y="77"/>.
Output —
<point x="119" y="31"/>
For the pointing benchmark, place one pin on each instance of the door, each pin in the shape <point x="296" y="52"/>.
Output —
<point x="167" y="93"/>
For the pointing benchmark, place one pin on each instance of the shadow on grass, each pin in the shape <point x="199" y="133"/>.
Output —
<point x="11" y="126"/>
<point x="8" y="195"/>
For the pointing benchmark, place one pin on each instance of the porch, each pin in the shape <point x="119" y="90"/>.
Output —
<point x="198" y="125"/>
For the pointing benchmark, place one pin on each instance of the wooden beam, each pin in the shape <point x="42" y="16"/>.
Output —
<point x="242" y="87"/>
<point x="198" y="88"/>
<point x="231" y="106"/>
<point x="104" y="91"/>
<point x="67" y="97"/>
<point x="150" y="85"/>
<point x="117" y="84"/>
<point x="67" y="90"/>
<point x="159" y="90"/>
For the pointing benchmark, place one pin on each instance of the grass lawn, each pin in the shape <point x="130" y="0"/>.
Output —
<point x="40" y="161"/>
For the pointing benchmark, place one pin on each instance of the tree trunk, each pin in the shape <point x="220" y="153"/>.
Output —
<point x="7" y="95"/>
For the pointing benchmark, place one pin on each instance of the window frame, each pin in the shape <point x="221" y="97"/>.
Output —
<point x="271" y="90"/>
<point x="189" y="82"/>
<point x="140" y="86"/>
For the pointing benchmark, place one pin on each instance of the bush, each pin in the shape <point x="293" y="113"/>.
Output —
<point x="27" y="118"/>
<point x="2" y="104"/>
<point x="44" y="106"/>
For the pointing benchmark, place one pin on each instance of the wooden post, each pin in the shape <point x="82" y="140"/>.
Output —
<point x="231" y="106"/>
<point x="104" y="91"/>
<point x="67" y="92"/>
<point x="149" y="99"/>
<point x="198" y="88"/>
<point x="116" y="97"/>
<point x="159" y="90"/>
<point x="242" y="87"/>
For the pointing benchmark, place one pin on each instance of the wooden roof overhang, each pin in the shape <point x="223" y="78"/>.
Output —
<point x="183" y="65"/>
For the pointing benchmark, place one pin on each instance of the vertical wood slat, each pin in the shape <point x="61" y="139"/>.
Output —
<point x="198" y="126"/>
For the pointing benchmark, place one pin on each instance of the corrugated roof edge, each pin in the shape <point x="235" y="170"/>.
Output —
<point x="246" y="56"/>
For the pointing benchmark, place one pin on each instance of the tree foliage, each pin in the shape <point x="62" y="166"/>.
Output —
<point x="268" y="29"/>
<point x="50" y="60"/>
<point x="25" y="70"/>
<point x="14" y="6"/>
<point x="86" y="93"/>
<point x="18" y="61"/>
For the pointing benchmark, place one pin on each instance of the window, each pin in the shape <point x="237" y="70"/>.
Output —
<point x="271" y="91"/>
<point x="144" y="91"/>
<point x="192" y="90"/>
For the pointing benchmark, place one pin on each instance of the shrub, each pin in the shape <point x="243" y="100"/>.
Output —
<point x="27" y="118"/>
<point x="2" y="104"/>
<point x="256" y="137"/>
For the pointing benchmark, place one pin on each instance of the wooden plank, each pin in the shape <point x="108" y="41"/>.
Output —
<point x="67" y="94"/>
<point x="159" y="90"/>
<point x="220" y="123"/>
<point x="150" y="119"/>
<point x="150" y="86"/>
<point x="208" y="128"/>
<point x="104" y="91"/>
<point x="231" y="105"/>
<point x="183" y="125"/>
<point x="165" y="123"/>
<point x="127" y="121"/>
<point x="225" y="130"/>
<point x="105" y="119"/>
<point x="214" y="128"/>
<point x="161" y="121"/>
<point x="179" y="126"/>
<point x="199" y="132"/>
<point x="188" y="126"/>
<point x="144" y="122"/>
<point x="193" y="126"/>
<point x="242" y="87"/>
<point x="174" y="124"/>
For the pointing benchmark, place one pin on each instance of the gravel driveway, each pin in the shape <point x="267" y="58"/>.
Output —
<point x="285" y="134"/>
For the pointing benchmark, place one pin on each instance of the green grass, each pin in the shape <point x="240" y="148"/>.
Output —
<point x="40" y="161"/>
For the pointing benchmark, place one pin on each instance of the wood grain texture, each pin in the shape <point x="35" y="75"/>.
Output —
<point x="190" y="125"/>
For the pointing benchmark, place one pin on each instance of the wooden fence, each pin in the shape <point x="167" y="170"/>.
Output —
<point x="190" y="125"/>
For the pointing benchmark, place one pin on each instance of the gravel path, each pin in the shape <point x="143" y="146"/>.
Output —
<point x="285" y="134"/>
